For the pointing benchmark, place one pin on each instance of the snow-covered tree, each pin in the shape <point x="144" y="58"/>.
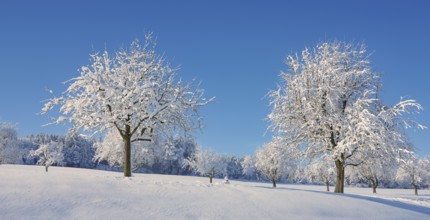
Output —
<point x="208" y="163"/>
<point x="13" y="150"/>
<point x="321" y="170"/>
<point x="8" y="143"/>
<point x="414" y="170"/>
<point x="43" y="138"/>
<point x="132" y="91"/>
<point x="249" y="168"/>
<point x="174" y="151"/>
<point x="78" y="151"/>
<point x="381" y="129"/>
<point x="234" y="168"/>
<point x="373" y="171"/>
<point x="377" y="167"/>
<point x="274" y="162"/>
<point x="49" y="154"/>
<point x="328" y="104"/>
<point x="33" y="141"/>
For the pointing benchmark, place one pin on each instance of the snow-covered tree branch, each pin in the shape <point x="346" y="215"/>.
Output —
<point x="321" y="170"/>
<point x="413" y="170"/>
<point x="327" y="103"/>
<point x="49" y="154"/>
<point x="208" y="163"/>
<point x="8" y="143"/>
<point x="133" y="91"/>
<point x="274" y="162"/>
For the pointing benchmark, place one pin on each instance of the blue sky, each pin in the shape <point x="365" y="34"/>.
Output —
<point x="236" y="48"/>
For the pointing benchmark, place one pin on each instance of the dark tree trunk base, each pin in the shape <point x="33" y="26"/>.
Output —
<point x="274" y="183"/>
<point x="374" y="184"/>
<point x="127" y="153"/>
<point x="340" y="177"/>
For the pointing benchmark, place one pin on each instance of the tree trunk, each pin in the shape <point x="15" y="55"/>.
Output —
<point x="327" y="184"/>
<point x="274" y="183"/>
<point x="415" y="189"/>
<point x="127" y="152"/>
<point x="373" y="186"/>
<point x="340" y="177"/>
<point x="211" y="174"/>
<point x="46" y="168"/>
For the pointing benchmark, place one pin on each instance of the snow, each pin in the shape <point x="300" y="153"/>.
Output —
<point x="28" y="192"/>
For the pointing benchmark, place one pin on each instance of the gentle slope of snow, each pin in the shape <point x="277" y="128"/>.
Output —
<point x="27" y="192"/>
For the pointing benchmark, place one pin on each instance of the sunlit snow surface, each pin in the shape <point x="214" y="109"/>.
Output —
<point x="27" y="192"/>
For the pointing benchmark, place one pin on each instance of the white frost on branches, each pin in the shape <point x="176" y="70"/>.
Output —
<point x="415" y="171"/>
<point x="249" y="168"/>
<point x="321" y="170"/>
<point x="9" y="144"/>
<point x="328" y="103"/>
<point x="49" y="154"/>
<point x="133" y="91"/>
<point x="134" y="88"/>
<point x="208" y="163"/>
<point x="274" y="161"/>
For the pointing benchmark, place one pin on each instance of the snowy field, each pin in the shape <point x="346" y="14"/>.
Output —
<point x="27" y="192"/>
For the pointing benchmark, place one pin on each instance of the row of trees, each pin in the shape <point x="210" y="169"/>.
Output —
<point x="276" y="163"/>
<point x="180" y="156"/>
<point x="70" y="150"/>
<point x="174" y="155"/>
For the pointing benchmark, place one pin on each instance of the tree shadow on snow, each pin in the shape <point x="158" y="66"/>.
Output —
<point x="397" y="204"/>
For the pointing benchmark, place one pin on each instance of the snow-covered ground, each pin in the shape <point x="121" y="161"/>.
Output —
<point x="27" y="192"/>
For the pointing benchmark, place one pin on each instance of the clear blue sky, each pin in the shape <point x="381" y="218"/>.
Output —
<point x="236" y="48"/>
